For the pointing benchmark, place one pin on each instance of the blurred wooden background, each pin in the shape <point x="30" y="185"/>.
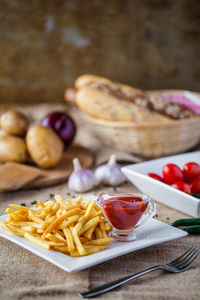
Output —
<point x="45" y="45"/>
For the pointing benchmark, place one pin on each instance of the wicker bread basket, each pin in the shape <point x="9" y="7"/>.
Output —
<point x="149" y="139"/>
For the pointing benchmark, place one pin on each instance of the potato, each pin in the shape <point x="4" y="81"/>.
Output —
<point x="13" y="148"/>
<point x="14" y="123"/>
<point x="44" y="146"/>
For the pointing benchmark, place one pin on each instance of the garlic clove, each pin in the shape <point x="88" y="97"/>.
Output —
<point x="101" y="174"/>
<point x="81" y="180"/>
<point x="110" y="173"/>
<point x="116" y="176"/>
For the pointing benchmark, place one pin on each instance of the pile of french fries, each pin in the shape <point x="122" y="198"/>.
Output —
<point x="75" y="228"/>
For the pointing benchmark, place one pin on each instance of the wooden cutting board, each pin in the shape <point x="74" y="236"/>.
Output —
<point x="15" y="176"/>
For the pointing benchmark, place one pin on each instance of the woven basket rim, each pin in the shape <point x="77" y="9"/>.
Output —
<point x="119" y="124"/>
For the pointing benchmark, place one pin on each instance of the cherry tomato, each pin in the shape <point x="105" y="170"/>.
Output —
<point x="191" y="170"/>
<point x="172" y="173"/>
<point x="195" y="185"/>
<point x="155" y="176"/>
<point x="182" y="186"/>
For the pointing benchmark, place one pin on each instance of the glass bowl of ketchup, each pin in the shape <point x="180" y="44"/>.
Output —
<point x="125" y="212"/>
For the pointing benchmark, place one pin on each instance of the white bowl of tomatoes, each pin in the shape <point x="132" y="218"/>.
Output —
<point x="172" y="180"/>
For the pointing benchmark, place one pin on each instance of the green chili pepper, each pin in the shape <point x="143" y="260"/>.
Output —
<point x="193" y="225"/>
<point x="192" y="229"/>
<point x="186" y="222"/>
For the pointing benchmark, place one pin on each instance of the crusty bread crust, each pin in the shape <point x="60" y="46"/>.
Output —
<point x="86" y="79"/>
<point x="101" y="105"/>
<point x="108" y="100"/>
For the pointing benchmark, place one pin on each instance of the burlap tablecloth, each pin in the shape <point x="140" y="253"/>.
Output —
<point x="24" y="275"/>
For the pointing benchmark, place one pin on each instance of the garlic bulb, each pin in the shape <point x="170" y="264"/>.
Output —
<point x="110" y="173"/>
<point x="81" y="180"/>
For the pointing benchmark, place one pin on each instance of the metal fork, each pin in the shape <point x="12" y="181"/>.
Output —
<point x="178" y="265"/>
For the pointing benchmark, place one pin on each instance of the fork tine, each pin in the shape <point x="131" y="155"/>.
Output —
<point x="190" y="260"/>
<point x="184" y="254"/>
<point x="185" y="267"/>
<point x="184" y="257"/>
<point x="183" y="261"/>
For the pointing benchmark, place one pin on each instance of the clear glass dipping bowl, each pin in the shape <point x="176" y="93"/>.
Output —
<point x="125" y="212"/>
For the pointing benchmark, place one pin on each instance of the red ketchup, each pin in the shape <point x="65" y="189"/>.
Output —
<point x="124" y="212"/>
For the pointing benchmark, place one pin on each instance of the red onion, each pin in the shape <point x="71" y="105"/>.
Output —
<point x="62" y="124"/>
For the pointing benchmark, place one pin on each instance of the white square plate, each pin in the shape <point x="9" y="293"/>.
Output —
<point x="162" y="192"/>
<point x="151" y="233"/>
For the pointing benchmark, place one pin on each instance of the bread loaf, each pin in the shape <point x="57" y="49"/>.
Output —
<point x="102" y="98"/>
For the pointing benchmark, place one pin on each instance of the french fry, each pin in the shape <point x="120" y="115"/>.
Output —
<point x="101" y="225"/>
<point x="9" y="210"/>
<point x="57" y="221"/>
<point x="71" y="220"/>
<point x="54" y="238"/>
<point x="55" y="208"/>
<point x="59" y="212"/>
<point x="36" y="206"/>
<point x="56" y="244"/>
<point x="73" y="228"/>
<point x="91" y="223"/>
<point x="83" y="239"/>
<point x="63" y="249"/>
<point x="37" y="241"/>
<point x="79" y="200"/>
<point x="69" y="238"/>
<point x="20" y="224"/>
<point x="59" y="199"/>
<point x="60" y="235"/>
<point x="53" y="211"/>
<point x="88" y="234"/>
<point x="47" y="202"/>
<point x="9" y="218"/>
<point x="97" y="232"/>
<point x="100" y="242"/>
<point x="84" y="218"/>
<point x="87" y="252"/>
<point x="102" y="247"/>
<point x="89" y="209"/>
<point x="13" y="229"/>
<point x="19" y="207"/>
<point x="40" y="231"/>
<point x="28" y="228"/>
<point x="96" y="213"/>
<point x="69" y="206"/>
<point x="41" y="204"/>
<point x="86" y="203"/>
<point x="47" y="222"/>
<point x="98" y="208"/>
<point x="78" y="243"/>
<point x="18" y="217"/>
<point x="107" y="227"/>
<point x="68" y="201"/>
<point x="42" y="216"/>
<point x="33" y="217"/>
<point x="48" y="207"/>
